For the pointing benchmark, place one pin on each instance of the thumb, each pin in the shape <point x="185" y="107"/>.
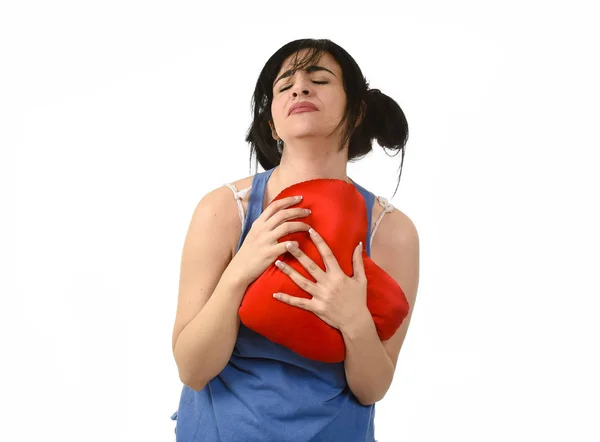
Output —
<point x="358" y="264"/>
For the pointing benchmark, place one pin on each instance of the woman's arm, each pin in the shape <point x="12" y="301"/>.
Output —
<point x="370" y="363"/>
<point x="210" y="292"/>
<point x="369" y="369"/>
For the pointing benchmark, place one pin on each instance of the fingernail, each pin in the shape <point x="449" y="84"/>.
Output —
<point x="312" y="231"/>
<point x="279" y="264"/>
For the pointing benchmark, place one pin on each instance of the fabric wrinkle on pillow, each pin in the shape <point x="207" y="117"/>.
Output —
<point x="339" y="215"/>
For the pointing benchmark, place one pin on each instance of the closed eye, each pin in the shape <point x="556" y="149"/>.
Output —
<point x="315" y="82"/>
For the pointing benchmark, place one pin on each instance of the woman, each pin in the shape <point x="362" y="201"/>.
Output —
<point x="238" y="385"/>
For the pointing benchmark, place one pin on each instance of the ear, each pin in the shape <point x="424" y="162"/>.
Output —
<point x="363" y="113"/>
<point x="273" y="131"/>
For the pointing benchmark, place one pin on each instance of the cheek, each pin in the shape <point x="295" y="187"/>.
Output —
<point x="335" y="101"/>
<point x="277" y="108"/>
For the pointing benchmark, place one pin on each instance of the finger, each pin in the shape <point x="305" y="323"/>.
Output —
<point x="294" y="301"/>
<point x="287" y="228"/>
<point x="358" y="267"/>
<point x="326" y="253"/>
<point x="285" y="215"/>
<point x="283" y="247"/>
<point x="311" y="267"/>
<point x="277" y="205"/>
<point x="301" y="281"/>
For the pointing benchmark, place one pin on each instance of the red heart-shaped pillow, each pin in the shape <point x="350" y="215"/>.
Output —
<point x="339" y="215"/>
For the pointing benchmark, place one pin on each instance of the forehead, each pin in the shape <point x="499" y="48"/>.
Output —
<point x="325" y="60"/>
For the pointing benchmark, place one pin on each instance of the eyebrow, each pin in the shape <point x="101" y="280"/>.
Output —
<point x="309" y="70"/>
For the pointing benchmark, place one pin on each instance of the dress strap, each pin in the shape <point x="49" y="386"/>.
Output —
<point x="239" y="196"/>
<point x="255" y="202"/>
<point x="387" y="208"/>
<point x="369" y="198"/>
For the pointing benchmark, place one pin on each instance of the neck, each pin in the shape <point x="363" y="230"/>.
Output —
<point x="305" y="160"/>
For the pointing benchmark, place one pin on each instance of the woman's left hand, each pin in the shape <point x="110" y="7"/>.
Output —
<point x="337" y="298"/>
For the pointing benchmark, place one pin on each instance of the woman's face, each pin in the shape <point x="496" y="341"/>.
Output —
<point x="323" y="88"/>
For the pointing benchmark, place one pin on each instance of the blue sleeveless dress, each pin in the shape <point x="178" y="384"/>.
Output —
<point x="270" y="393"/>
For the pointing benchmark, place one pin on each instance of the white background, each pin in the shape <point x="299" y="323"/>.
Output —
<point x="118" y="116"/>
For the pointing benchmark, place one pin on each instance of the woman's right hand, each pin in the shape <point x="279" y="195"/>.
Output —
<point x="260" y="247"/>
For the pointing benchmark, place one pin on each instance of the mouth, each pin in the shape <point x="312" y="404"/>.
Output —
<point x="303" y="106"/>
<point x="302" y="109"/>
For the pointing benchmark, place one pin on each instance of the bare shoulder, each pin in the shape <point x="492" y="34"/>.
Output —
<point x="395" y="230"/>
<point x="243" y="183"/>
<point x="400" y="224"/>
<point x="217" y="210"/>
<point x="217" y="202"/>
<point x="221" y="199"/>
<point x="395" y="249"/>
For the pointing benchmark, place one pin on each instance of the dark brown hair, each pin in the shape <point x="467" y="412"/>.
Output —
<point x="383" y="120"/>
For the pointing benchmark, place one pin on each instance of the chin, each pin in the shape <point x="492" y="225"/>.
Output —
<point x="306" y="130"/>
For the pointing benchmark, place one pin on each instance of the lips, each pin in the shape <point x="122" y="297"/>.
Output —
<point x="303" y="106"/>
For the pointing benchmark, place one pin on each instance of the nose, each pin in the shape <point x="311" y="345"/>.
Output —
<point x="302" y="85"/>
